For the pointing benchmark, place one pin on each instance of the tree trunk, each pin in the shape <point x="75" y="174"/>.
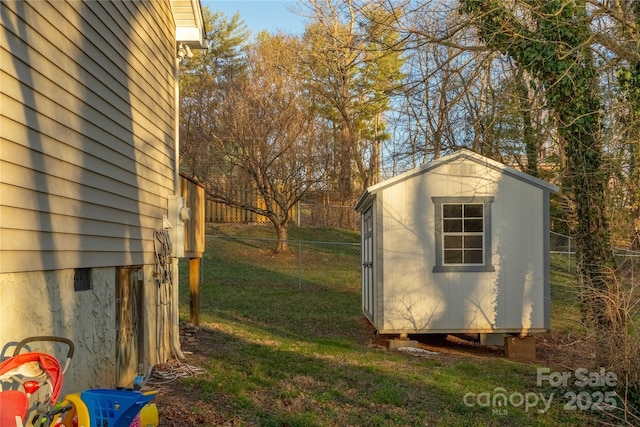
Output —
<point x="578" y="111"/>
<point x="282" y="233"/>
<point x="530" y="135"/>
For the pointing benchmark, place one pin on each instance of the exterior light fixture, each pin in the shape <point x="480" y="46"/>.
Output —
<point x="184" y="52"/>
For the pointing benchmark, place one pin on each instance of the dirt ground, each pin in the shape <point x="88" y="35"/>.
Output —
<point x="174" y="402"/>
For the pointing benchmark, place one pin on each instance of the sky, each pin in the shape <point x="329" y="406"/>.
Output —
<point x="261" y="15"/>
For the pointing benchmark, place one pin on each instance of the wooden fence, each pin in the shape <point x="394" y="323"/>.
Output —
<point x="222" y="213"/>
<point x="304" y="214"/>
<point x="317" y="212"/>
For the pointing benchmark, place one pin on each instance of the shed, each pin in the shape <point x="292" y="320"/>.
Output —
<point x="458" y="245"/>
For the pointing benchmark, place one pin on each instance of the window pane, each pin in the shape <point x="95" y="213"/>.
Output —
<point x="473" y="257"/>
<point x="453" y="257"/>
<point x="453" y="242"/>
<point x="452" y="211"/>
<point x="473" y="211"/>
<point x="472" y="242"/>
<point x="473" y="225"/>
<point x="463" y="233"/>
<point x="452" y="225"/>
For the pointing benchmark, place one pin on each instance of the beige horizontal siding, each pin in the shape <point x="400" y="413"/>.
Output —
<point x="64" y="224"/>
<point x="22" y="240"/>
<point x="86" y="132"/>
<point x="35" y="171"/>
<point x="97" y="52"/>
<point x="54" y="139"/>
<point x="59" y="205"/>
<point x="38" y="260"/>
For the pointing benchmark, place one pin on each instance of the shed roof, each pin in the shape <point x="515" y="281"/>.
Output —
<point x="465" y="154"/>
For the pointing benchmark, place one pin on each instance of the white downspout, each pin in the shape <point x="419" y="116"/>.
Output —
<point x="176" y="125"/>
<point x="175" y="312"/>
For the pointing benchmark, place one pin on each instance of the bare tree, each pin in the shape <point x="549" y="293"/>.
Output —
<point x="553" y="41"/>
<point x="461" y="93"/>
<point x="202" y="79"/>
<point x="265" y="140"/>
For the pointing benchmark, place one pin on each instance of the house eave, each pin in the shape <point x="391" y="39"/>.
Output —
<point x="190" y="25"/>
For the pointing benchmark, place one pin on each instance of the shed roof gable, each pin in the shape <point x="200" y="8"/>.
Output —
<point x="435" y="164"/>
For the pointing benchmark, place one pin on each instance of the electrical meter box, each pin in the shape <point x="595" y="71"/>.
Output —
<point x="177" y="214"/>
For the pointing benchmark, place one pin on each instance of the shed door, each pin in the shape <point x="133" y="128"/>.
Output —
<point x="367" y="263"/>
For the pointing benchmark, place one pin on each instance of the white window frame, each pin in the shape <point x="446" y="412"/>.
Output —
<point x="440" y="234"/>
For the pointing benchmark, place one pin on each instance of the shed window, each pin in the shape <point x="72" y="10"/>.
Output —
<point x="462" y="232"/>
<point x="463" y="238"/>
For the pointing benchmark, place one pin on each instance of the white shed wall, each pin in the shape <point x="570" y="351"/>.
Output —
<point x="417" y="300"/>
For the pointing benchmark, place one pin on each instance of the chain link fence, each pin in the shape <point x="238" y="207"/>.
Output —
<point x="319" y="215"/>
<point x="309" y="264"/>
<point x="628" y="260"/>
<point x="564" y="249"/>
<point x="317" y="264"/>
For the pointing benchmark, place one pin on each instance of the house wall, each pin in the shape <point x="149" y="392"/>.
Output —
<point x="87" y="132"/>
<point x="415" y="299"/>
<point x="86" y="136"/>
<point x="48" y="305"/>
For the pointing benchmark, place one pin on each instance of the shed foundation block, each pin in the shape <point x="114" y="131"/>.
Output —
<point x="520" y="347"/>
<point x="493" y="339"/>
<point x="397" y="343"/>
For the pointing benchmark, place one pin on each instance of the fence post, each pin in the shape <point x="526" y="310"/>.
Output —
<point x="299" y="264"/>
<point x="569" y="256"/>
<point x="195" y="274"/>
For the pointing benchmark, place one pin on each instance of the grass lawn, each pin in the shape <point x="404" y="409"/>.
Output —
<point x="279" y="354"/>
